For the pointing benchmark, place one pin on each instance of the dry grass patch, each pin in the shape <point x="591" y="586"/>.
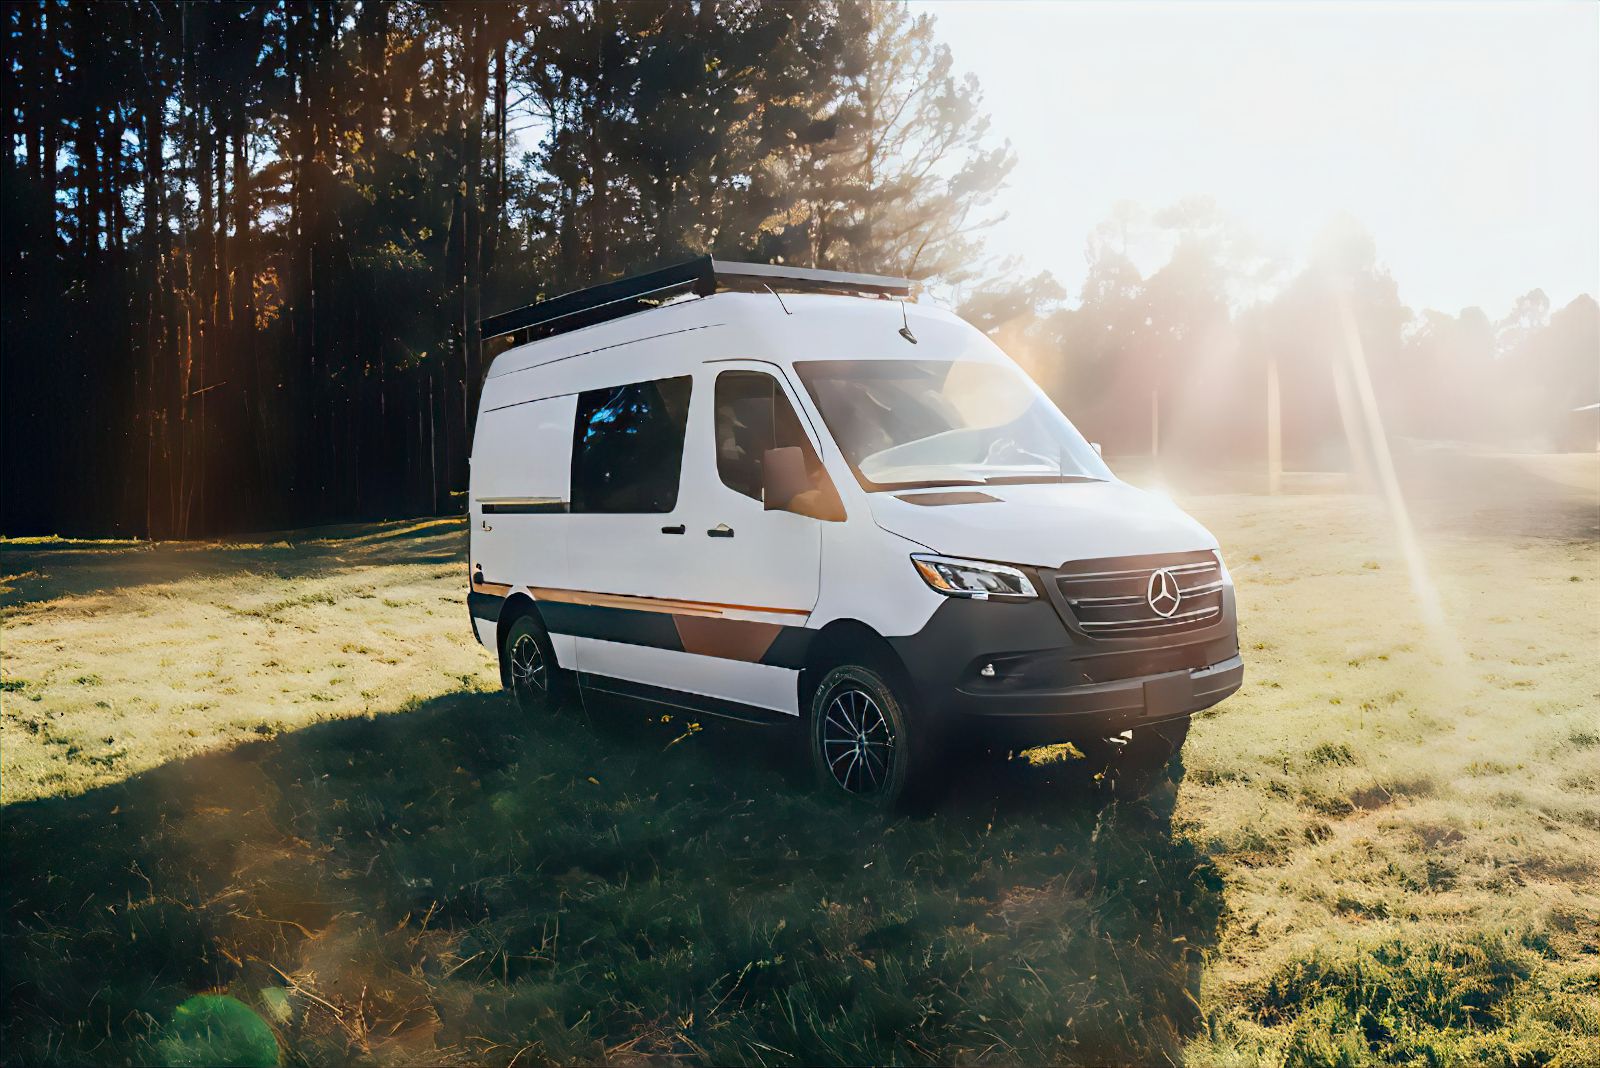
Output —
<point x="150" y="652"/>
<point x="1384" y="781"/>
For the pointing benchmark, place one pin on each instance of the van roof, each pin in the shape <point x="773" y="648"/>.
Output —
<point x="806" y="320"/>
<point x="702" y="276"/>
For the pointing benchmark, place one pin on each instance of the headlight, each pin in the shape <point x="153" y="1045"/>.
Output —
<point x="971" y="578"/>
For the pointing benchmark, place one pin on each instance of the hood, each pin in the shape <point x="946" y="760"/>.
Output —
<point x="1041" y="525"/>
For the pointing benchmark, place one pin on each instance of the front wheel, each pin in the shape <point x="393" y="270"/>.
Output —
<point x="862" y="747"/>
<point x="529" y="668"/>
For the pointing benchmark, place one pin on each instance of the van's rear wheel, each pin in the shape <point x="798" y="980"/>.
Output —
<point x="529" y="668"/>
<point x="862" y="747"/>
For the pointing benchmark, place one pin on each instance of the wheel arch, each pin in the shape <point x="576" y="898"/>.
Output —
<point x="850" y="641"/>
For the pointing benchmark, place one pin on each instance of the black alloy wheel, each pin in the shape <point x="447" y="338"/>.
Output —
<point x="861" y="746"/>
<point x="530" y="670"/>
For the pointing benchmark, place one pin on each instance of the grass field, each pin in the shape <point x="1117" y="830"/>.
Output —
<point x="278" y="771"/>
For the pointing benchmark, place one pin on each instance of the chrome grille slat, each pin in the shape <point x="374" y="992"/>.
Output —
<point x="1177" y="619"/>
<point x="1138" y="598"/>
<point x="1104" y="576"/>
<point x="1106" y="602"/>
<point x="1113" y="603"/>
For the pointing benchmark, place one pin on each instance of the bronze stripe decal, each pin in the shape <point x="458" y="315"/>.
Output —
<point x="696" y="627"/>
<point x="730" y="639"/>
<point x="668" y="605"/>
<point x="498" y="589"/>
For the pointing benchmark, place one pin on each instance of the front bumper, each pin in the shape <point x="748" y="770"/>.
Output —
<point x="1051" y="682"/>
<point x="1097" y="710"/>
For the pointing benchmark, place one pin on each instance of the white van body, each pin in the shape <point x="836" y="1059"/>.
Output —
<point x="722" y="604"/>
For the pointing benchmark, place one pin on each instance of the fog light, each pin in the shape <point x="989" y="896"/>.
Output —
<point x="987" y="671"/>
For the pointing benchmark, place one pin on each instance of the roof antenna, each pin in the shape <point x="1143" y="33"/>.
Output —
<point x="905" y="329"/>
<point x="781" y="304"/>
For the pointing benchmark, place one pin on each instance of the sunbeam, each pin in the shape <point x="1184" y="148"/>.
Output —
<point x="1364" y="422"/>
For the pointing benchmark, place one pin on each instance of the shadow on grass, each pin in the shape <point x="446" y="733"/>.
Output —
<point x="458" y="884"/>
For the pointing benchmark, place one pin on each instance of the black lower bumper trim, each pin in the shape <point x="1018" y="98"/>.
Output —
<point x="1013" y="672"/>
<point x="1096" y="711"/>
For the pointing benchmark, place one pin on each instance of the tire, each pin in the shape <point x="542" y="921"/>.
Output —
<point x="528" y="667"/>
<point x="863" y="748"/>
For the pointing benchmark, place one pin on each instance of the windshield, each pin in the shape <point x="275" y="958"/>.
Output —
<point x="905" y="424"/>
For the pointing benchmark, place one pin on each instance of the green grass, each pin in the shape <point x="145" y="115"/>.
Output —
<point x="291" y="785"/>
<point x="177" y="649"/>
<point x="453" y="884"/>
<point x="1484" y="998"/>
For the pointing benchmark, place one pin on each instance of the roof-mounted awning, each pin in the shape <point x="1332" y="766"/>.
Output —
<point x="703" y="277"/>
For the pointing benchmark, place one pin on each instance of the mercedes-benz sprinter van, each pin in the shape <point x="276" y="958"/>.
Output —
<point x="788" y="495"/>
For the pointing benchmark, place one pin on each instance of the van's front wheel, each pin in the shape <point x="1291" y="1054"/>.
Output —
<point x="530" y="671"/>
<point x="862" y="748"/>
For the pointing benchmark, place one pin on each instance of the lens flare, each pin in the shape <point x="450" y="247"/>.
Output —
<point x="1358" y="409"/>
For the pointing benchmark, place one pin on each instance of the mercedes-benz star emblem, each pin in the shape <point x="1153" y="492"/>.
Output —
<point x="1163" y="593"/>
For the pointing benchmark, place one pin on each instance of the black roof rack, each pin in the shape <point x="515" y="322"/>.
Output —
<point x="702" y="276"/>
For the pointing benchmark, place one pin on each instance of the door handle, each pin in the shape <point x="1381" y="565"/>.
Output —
<point x="721" y="530"/>
<point x="679" y="529"/>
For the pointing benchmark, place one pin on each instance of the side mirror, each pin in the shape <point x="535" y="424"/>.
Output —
<point x="1095" y="445"/>
<point x="783" y="477"/>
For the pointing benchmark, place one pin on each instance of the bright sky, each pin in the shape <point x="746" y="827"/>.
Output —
<point x="1465" y="137"/>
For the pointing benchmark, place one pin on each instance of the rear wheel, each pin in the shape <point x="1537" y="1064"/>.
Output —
<point x="862" y="746"/>
<point x="529" y="667"/>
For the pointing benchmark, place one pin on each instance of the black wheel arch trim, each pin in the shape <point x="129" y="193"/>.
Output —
<point x="850" y="641"/>
<point x="485" y="606"/>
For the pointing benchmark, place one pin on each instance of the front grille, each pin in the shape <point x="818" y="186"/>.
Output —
<point x="1111" y="598"/>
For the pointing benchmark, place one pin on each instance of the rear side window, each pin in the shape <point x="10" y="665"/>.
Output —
<point x="627" y="446"/>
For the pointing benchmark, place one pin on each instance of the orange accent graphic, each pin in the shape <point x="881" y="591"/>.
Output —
<point x="729" y="639"/>
<point x="498" y="589"/>
<point x="657" y="604"/>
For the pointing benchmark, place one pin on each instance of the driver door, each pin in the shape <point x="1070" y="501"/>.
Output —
<point x="758" y="568"/>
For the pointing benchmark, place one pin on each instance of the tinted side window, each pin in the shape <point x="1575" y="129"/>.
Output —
<point x="744" y="401"/>
<point x="627" y="446"/>
<point x="753" y="415"/>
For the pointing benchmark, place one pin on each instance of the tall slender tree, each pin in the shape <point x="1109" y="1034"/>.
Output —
<point x="247" y="245"/>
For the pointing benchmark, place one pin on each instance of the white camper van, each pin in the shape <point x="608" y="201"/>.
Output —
<point x="788" y="495"/>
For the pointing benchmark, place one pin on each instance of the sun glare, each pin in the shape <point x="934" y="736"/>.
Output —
<point x="1358" y="406"/>
<point x="1461" y="135"/>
